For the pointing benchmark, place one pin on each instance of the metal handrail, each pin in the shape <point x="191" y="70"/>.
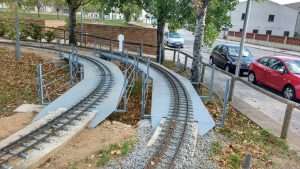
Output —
<point x="270" y="94"/>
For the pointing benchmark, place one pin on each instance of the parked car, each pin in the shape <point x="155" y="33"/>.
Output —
<point x="226" y="56"/>
<point x="174" y="39"/>
<point x="281" y="73"/>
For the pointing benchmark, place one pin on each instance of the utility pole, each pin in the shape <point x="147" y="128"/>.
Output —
<point x="242" y="44"/>
<point x="18" y="50"/>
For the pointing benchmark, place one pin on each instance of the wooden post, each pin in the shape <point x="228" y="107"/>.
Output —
<point x="286" y="121"/>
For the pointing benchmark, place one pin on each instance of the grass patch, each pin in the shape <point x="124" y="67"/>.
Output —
<point x="234" y="161"/>
<point x="113" y="151"/>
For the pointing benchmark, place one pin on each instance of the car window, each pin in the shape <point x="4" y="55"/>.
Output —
<point x="174" y="35"/>
<point x="278" y="66"/>
<point x="235" y="51"/>
<point x="272" y="61"/>
<point x="263" y="61"/>
<point x="223" y="50"/>
<point x="268" y="61"/>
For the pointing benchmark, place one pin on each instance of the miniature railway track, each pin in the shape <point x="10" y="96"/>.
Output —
<point x="21" y="147"/>
<point x="176" y="129"/>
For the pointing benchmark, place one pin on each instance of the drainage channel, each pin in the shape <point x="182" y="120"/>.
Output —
<point x="22" y="146"/>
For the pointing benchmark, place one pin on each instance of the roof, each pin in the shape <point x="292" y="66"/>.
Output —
<point x="285" y="58"/>
<point x="295" y="5"/>
<point x="292" y="6"/>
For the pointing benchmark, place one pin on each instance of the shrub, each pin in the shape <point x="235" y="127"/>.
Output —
<point x="24" y="32"/>
<point x="49" y="36"/>
<point x="36" y="31"/>
<point x="3" y="29"/>
<point x="11" y="34"/>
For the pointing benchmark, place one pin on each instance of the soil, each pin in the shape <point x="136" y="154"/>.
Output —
<point x="81" y="150"/>
<point x="19" y="120"/>
<point x="18" y="78"/>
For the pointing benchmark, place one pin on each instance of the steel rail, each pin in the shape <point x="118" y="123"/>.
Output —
<point x="180" y="108"/>
<point x="22" y="146"/>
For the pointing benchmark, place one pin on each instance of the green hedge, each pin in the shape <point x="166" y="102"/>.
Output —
<point x="32" y="30"/>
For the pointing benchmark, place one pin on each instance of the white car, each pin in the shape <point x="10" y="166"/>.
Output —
<point x="174" y="39"/>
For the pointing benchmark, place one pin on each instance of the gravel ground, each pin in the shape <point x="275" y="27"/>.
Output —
<point x="138" y="158"/>
<point x="140" y="154"/>
<point x="201" y="157"/>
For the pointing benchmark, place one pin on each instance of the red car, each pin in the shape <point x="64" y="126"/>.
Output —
<point x="281" y="73"/>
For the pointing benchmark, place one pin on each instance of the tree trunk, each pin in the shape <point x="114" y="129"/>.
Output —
<point x="72" y="25"/>
<point x="160" y="41"/>
<point x="198" y="42"/>
<point x="38" y="11"/>
<point x="57" y="13"/>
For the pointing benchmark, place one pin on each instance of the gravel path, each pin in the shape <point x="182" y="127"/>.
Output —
<point x="138" y="158"/>
<point x="201" y="157"/>
<point x="140" y="154"/>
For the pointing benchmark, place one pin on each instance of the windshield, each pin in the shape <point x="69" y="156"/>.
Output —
<point x="294" y="66"/>
<point x="174" y="35"/>
<point x="234" y="51"/>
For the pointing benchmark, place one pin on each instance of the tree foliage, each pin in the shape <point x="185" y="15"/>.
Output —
<point x="174" y="12"/>
<point x="217" y="18"/>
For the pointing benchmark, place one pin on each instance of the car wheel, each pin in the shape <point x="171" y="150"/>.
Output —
<point x="289" y="92"/>
<point x="227" y="68"/>
<point x="211" y="61"/>
<point x="252" y="78"/>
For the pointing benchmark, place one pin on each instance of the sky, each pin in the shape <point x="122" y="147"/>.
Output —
<point x="283" y="1"/>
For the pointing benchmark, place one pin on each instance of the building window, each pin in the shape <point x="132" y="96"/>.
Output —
<point x="241" y="30"/>
<point x="271" y="18"/>
<point x="243" y="16"/>
<point x="255" y="31"/>
<point x="268" y="32"/>
<point x="286" y="33"/>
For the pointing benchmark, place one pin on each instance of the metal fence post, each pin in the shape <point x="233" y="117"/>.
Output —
<point x="174" y="55"/>
<point x="232" y="84"/>
<point x="143" y="107"/>
<point x="202" y="73"/>
<point x="110" y="46"/>
<point x="225" y="103"/>
<point x="64" y="36"/>
<point x="71" y="67"/>
<point x="286" y="121"/>
<point x="40" y="82"/>
<point x="185" y="62"/>
<point x="211" y="84"/>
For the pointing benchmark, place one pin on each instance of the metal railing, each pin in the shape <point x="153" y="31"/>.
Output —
<point x="290" y="105"/>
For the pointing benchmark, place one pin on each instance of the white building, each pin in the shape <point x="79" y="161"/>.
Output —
<point x="266" y="17"/>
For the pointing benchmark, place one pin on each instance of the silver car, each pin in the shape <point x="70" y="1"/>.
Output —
<point x="174" y="39"/>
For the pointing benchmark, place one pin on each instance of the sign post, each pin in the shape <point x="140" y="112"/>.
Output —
<point x="121" y="39"/>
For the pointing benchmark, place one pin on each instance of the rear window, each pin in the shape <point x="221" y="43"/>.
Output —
<point x="269" y="62"/>
<point x="174" y="35"/>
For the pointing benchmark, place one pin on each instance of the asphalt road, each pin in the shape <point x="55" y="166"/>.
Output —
<point x="269" y="111"/>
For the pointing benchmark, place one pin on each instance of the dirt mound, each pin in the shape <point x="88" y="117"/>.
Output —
<point x="77" y="152"/>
